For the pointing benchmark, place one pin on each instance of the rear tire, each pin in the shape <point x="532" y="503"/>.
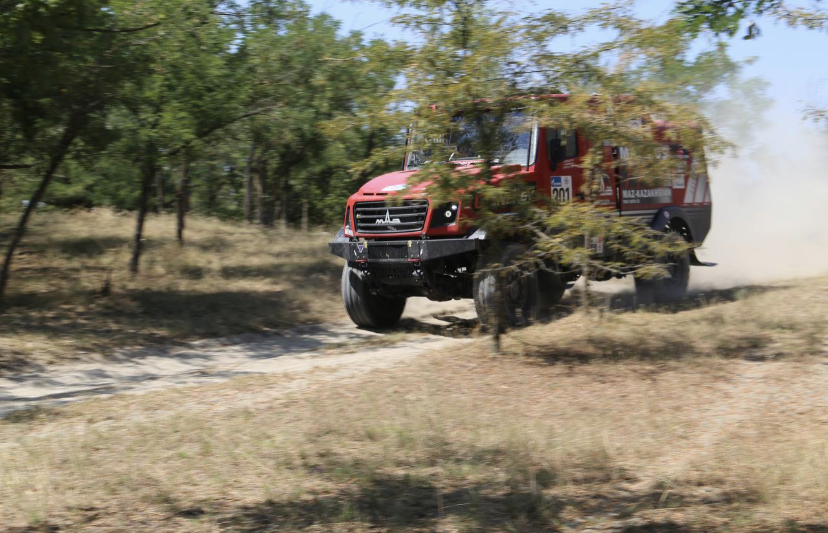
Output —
<point x="366" y="309"/>
<point x="519" y="304"/>
<point x="669" y="289"/>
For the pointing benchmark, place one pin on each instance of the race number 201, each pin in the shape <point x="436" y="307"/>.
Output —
<point x="562" y="188"/>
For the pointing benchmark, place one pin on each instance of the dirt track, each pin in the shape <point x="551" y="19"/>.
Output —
<point x="294" y="350"/>
<point x="426" y="326"/>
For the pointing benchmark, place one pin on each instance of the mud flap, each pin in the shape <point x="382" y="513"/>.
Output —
<point x="694" y="261"/>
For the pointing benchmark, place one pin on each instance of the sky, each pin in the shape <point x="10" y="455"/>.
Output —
<point x="792" y="60"/>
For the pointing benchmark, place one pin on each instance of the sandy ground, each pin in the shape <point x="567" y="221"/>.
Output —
<point x="295" y="350"/>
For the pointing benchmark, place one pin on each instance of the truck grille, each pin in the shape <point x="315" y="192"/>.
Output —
<point x="379" y="217"/>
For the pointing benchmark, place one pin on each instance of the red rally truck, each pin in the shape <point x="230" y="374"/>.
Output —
<point x="396" y="250"/>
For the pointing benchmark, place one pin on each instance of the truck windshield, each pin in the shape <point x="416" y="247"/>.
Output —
<point x="512" y="141"/>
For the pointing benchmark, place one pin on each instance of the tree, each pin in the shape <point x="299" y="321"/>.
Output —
<point x="53" y="94"/>
<point x="322" y="86"/>
<point x="475" y="66"/>
<point x="186" y="95"/>
<point x="724" y="17"/>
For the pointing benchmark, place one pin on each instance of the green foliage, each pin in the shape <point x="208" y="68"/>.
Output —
<point x="723" y="17"/>
<point x="47" y="86"/>
<point x="184" y="83"/>
<point x="481" y="64"/>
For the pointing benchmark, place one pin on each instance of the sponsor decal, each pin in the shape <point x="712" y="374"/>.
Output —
<point x="360" y="247"/>
<point x="392" y="188"/>
<point x="701" y="189"/>
<point x="562" y="188"/>
<point x="678" y="181"/>
<point x="698" y="190"/>
<point x="504" y="202"/>
<point x="658" y="195"/>
<point x="691" y="189"/>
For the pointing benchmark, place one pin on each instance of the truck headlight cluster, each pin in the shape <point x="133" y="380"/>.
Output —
<point x="444" y="215"/>
<point x="348" y="230"/>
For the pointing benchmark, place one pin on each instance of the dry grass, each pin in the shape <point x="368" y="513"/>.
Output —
<point x="227" y="279"/>
<point x="566" y="437"/>
<point x="761" y="322"/>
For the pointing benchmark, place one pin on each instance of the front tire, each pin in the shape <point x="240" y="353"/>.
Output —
<point x="366" y="309"/>
<point x="518" y="306"/>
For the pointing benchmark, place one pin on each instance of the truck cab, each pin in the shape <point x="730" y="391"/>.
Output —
<point x="397" y="243"/>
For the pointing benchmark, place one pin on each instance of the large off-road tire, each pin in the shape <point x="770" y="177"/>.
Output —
<point x="551" y="289"/>
<point x="519" y="304"/>
<point x="366" y="309"/>
<point x="669" y="289"/>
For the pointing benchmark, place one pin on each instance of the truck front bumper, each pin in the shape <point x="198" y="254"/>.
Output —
<point x="407" y="251"/>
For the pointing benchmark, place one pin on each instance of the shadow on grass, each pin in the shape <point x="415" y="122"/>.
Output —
<point x="141" y="318"/>
<point x="453" y="327"/>
<point x="275" y="270"/>
<point x="405" y="502"/>
<point x="88" y="246"/>
<point x="410" y="503"/>
<point x="399" y="503"/>
<point x="695" y="299"/>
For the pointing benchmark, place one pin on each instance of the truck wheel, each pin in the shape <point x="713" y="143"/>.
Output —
<point x="519" y="303"/>
<point x="671" y="288"/>
<point x="366" y="309"/>
<point x="551" y="289"/>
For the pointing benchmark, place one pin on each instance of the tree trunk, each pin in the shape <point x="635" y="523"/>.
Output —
<point x="182" y="198"/>
<point x="261" y="182"/>
<point x="66" y="139"/>
<point x="283" y="215"/>
<point x="279" y="182"/>
<point x="159" y="192"/>
<point x="148" y="174"/>
<point x="248" y="185"/>
<point x="304" y="215"/>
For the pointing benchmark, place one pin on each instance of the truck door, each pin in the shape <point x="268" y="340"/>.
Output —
<point x="562" y="151"/>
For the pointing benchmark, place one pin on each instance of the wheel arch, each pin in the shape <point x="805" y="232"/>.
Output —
<point x="676" y="219"/>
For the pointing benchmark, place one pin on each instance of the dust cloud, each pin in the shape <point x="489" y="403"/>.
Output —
<point x="769" y="209"/>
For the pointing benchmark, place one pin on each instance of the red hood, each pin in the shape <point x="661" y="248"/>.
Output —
<point x="389" y="183"/>
<point x="394" y="182"/>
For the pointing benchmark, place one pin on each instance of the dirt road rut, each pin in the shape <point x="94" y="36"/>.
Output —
<point x="289" y="351"/>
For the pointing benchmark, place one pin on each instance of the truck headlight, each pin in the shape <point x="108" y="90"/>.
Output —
<point x="348" y="230"/>
<point x="445" y="215"/>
